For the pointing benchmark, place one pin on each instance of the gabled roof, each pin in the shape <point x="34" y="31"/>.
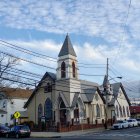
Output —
<point x="51" y="75"/>
<point x="116" y="87"/>
<point x="75" y="99"/>
<point x="67" y="48"/>
<point x="17" y="93"/>
<point x="88" y="94"/>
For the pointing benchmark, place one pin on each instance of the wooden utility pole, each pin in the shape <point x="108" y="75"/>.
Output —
<point x="106" y="95"/>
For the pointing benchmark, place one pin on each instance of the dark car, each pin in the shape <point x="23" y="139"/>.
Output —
<point x="3" y="130"/>
<point x="19" y="131"/>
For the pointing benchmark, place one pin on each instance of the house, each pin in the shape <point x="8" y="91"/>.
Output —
<point x="62" y="99"/>
<point x="117" y="101"/>
<point x="135" y="111"/>
<point x="12" y="100"/>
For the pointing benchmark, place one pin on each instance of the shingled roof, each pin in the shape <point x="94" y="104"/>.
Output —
<point x="67" y="48"/>
<point x="51" y="75"/>
<point x="17" y="93"/>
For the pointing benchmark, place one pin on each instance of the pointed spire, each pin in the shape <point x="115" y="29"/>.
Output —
<point x="105" y="82"/>
<point x="67" y="47"/>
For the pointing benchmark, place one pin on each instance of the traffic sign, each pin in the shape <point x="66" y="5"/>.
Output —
<point x="17" y="114"/>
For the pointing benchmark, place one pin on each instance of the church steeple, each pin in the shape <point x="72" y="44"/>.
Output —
<point x="67" y="48"/>
<point x="67" y="63"/>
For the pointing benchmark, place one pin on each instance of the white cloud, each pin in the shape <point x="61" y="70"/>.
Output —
<point x="104" y="19"/>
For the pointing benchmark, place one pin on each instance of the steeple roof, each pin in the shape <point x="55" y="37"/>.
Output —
<point x="105" y="82"/>
<point x="67" y="48"/>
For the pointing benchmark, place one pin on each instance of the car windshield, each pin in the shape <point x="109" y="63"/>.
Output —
<point x="24" y="127"/>
<point x="119" y="121"/>
<point x="138" y="119"/>
<point x="129" y="120"/>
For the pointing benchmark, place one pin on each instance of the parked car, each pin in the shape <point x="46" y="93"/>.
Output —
<point x="138" y="120"/>
<point x="19" y="131"/>
<point x="120" y="124"/>
<point x="3" y="130"/>
<point x="132" y="122"/>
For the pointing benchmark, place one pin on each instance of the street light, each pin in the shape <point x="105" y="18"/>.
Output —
<point x="106" y="93"/>
<point x="119" y="77"/>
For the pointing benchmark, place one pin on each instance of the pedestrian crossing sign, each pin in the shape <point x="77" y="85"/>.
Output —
<point x="17" y="114"/>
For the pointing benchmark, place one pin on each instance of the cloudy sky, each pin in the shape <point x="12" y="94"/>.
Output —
<point x="99" y="29"/>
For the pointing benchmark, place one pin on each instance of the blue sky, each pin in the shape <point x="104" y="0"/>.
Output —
<point x="98" y="29"/>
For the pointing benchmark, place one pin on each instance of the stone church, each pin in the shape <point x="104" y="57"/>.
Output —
<point x="62" y="98"/>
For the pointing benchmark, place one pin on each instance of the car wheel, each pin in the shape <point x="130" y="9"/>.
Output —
<point x="7" y="135"/>
<point x="17" y="136"/>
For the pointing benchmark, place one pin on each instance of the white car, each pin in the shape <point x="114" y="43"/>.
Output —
<point x="138" y="120"/>
<point x="120" y="124"/>
<point x="132" y="122"/>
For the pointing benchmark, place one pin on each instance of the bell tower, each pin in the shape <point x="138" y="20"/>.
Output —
<point x="67" y="62"/>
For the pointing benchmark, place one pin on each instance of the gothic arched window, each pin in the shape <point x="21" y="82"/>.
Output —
<point x="124" y="114"/>
<point x="40" y="112"/>
<point x="127" y="108"/>
<point x="117" y="111"/>
<point x="98" y="110"/>
<point x="48" y="109"/>
<point x="121" y="114"/>
<point x="63" y="70"/>
<point x="73" y="69"/>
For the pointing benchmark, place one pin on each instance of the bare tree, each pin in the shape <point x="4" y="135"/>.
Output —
<point x="6" y="63"/>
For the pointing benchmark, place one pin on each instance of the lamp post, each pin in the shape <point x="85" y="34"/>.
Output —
<point x="107" y="93"/>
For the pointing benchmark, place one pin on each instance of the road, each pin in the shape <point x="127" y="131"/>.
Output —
<point x="125" y="134"/>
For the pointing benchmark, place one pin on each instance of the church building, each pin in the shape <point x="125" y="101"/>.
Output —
<point x="62" y="99"/>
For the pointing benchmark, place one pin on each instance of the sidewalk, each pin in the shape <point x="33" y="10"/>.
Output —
<point x="65" y="134"/>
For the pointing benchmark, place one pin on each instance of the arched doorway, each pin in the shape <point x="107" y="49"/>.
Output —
<point x="63" y="112"/>
<point x="76" y="114"/>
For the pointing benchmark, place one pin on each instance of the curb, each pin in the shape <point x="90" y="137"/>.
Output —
<point x="45" y="136"/>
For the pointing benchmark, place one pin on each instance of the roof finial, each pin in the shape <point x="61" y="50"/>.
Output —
<point x="67" y="34"/>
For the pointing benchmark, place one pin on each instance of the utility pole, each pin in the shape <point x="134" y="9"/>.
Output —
<point x="106" y="95"/>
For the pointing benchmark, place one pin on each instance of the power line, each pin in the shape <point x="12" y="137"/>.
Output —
<point x="16" y="81"/>
<point x="29" y="61"/>
<point x="35" y="53"/>
<point x="31" y="74"/>
<point x="124" y="26"/>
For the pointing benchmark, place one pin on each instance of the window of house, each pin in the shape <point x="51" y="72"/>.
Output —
<point x="121" y="114"/>
<point x="98" y="110"/>
<point x="96" y="97"/>
<point x="40" y="112"/>
<point x="48" y="88"/>
<point x="117" y="111"/>
<point x="73" y="69"/>
<point x="127" y="108"/>
<point x="48" y="109"/>
<point x="63" y="70"/>
<point x="124" y="114"/>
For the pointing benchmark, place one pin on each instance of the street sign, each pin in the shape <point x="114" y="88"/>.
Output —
<point x="17" y="115"/>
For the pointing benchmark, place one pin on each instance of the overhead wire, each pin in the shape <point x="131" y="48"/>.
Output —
<point x="35" y="63"/>
<point x="33" y="53"/>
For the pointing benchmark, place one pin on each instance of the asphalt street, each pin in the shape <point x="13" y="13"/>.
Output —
<point x="124" y="134"/>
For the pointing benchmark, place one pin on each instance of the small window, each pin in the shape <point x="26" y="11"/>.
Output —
<point x="63" y="70"/>
<point x="73" y="69"/>
<point x="97" y="111"/>
<point x="96" y="97"/>
<point x="48" y="88"/>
